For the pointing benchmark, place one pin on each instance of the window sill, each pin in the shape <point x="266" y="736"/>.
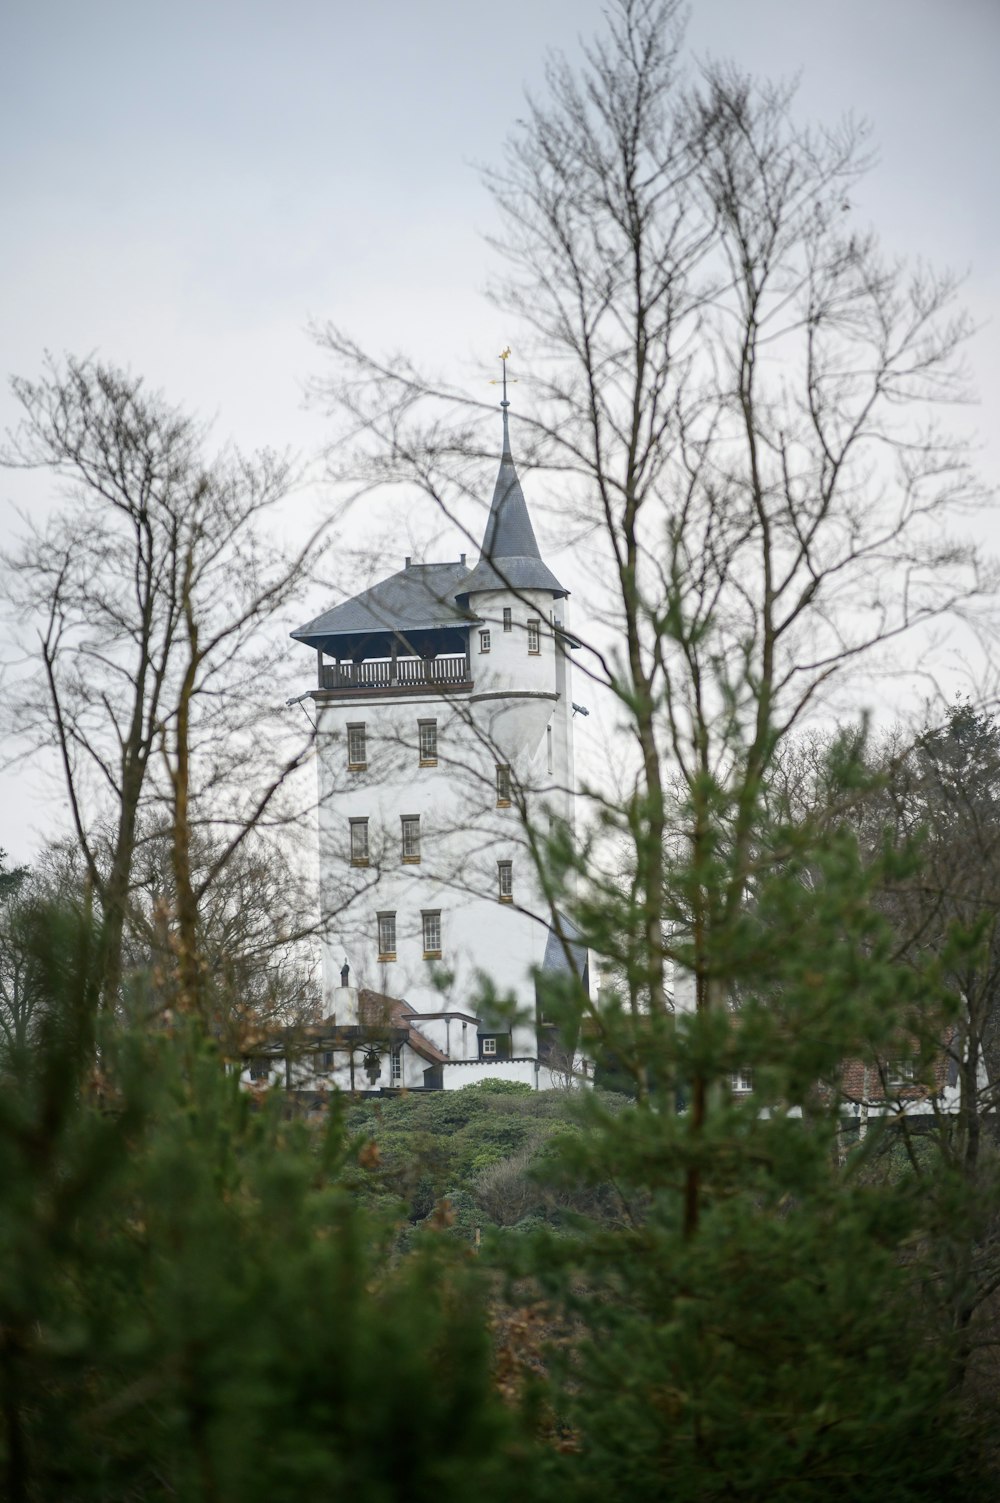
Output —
<point x="386" y="957"/>
<point x="534" y="652"/>
<point x="432" y="954"/>
<point x="503" y="803"/>
<point x="359" y="863"/>
<point x="428" y="762"/>
<point x="357" y="766"/>
<point x="411" y="860"/>
<point x="502" y="899"/>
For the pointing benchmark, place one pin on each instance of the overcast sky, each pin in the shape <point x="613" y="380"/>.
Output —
<point x="185" y="185"/>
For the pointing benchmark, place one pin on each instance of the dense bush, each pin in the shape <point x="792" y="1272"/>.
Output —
<point x="196" y="1302"/>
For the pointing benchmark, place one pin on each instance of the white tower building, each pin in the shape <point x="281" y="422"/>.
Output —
<point x="445" y="749"/>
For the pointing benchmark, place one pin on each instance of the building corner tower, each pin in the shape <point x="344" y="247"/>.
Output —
<point x="445" y="749"/>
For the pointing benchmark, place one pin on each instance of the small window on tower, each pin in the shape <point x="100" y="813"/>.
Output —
<point x="505" y="881"/>
<point x="357" y="753"/>
<point x="428" y="730"/>
<point x="503" y="787"/>
<point x="432" y="935"/>
<point x="484" y="641"/>
<point x="411" y="837"/>
<point x="386" y="936"/>
<point x="359" y="842"/>
<point x="508" y="618"/>
<point x="396" y="1071"/>
<point x="534" y="644"/>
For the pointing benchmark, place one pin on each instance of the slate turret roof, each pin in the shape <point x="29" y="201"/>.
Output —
<point x="420" y="597"/>
<point x="509" y="558"/>
<point x="429" y="597"/>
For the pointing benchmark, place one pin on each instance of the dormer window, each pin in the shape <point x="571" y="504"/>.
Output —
<point x="484" y="641"/>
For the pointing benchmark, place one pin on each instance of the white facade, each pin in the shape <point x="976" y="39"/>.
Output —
<point x="444" y="740"/>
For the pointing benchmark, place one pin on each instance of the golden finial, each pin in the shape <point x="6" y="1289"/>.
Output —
<point x="504" y="357"/>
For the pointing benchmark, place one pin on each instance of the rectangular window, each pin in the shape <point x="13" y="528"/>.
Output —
<point x="387" y="936"/>
<point x="534" y="645"/>
<point x="357" y="752"/>
<point x="899" y="1072"/>
<point x="359" y="842"/>
<point x="260" y="1069"/>
<point x="489" y="1046"/>
<point x="411" y="837"/>
<point x="432" y="934"/>
<point x="428" y="730"/>
<point x="484" y="641"/>
<point x="396" y="1071"/>
<point x="505" y="881"/>
<point x="324" y="1062"/>
<point x="741" y="1082"/>
<point x="503" y="786"/>
<point x="508" y="618"/>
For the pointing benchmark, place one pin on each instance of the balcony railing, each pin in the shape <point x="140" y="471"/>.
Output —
<point x="381" y="674"/>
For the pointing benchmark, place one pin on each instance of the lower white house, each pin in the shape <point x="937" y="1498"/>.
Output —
<point x="372" y="1044"/>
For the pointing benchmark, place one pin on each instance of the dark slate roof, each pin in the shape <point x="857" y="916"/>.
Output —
<point x="510" y="558"/>
<point x="419" y="597"/>
<point x="425" y="597"/>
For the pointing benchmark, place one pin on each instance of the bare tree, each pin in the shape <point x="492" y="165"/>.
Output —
<point x="19" y="996"/>
<point x="146" y="609"/>
<point x="736" y="394"/>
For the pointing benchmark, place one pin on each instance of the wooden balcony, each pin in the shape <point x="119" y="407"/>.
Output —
<point x="397" y="675"/>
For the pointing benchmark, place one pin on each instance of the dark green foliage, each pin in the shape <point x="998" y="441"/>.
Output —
<point x="775" y="1357"/>
<point x="11" y="877"/>
<point x="438" y="1144"/>
<point x="196" y="1305"/>
<point x="751" y="1305"/>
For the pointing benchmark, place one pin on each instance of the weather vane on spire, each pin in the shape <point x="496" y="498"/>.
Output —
<point x="504" y="357"/>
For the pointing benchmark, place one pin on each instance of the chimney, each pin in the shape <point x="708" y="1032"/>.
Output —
<point x="409" y="561"/>
<point x="462" y="559"/>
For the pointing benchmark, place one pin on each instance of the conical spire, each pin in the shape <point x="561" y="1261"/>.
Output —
<point x="509" y="558"/>
<point x="509" y="533"/>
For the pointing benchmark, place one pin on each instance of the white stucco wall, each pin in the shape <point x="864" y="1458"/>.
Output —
<point x="455" y="1075"/>
<point x="518" y="714"/>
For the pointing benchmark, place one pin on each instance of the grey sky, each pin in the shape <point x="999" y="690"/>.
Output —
<point x="184" y="185"/>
